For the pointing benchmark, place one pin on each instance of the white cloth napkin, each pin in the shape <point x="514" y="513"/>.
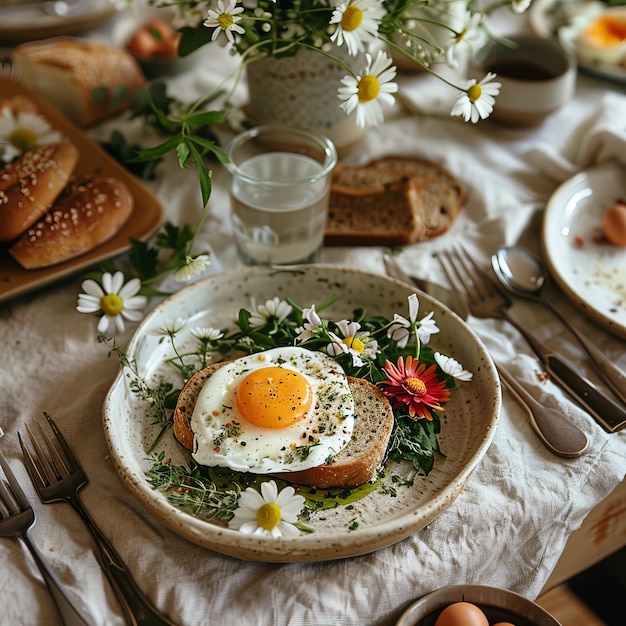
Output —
<point x="600" y="137"/>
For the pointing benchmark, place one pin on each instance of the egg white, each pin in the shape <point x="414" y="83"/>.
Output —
<point x="224" y="438"/>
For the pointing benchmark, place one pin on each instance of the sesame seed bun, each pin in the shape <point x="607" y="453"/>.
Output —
<point x="87" y="214"/>
<point x="30" y="184"/>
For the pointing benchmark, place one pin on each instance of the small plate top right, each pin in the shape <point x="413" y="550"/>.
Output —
<point x="591" y="271"/>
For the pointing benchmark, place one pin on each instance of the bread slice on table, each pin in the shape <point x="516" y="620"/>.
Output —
<point x="87" y="81"/>
<point x="30" y="184"/>
<point x="392" y="201"/>
<point x="87" y="214"/>
<point x="357" y="464"/>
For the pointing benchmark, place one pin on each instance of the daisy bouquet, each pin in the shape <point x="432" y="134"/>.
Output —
<point x="427" y="32"/>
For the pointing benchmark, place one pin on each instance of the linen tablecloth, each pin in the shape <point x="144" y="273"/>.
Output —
<point x="507" y="528"/>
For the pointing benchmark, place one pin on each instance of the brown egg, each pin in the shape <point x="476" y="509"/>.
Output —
<point x="503" y="624"/>
<point x="462" y="614"/>
<point x="614" y="224"/>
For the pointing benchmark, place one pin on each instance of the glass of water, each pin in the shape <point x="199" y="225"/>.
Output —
<point x="279" y="193"/>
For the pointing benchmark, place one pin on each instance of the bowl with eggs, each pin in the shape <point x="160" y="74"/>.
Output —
<point x="475" y="605"/>
<point x="294" y="408"/>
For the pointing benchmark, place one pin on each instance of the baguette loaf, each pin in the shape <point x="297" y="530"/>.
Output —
<point x="86" y="215"/>
<point x="393" y="201"/>
<point x="86" y="80"/>
<point x="30" y="184"/>
<point x="357" y="464"/>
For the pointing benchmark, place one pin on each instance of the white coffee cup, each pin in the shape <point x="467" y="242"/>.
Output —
<point x="537" y="75"/>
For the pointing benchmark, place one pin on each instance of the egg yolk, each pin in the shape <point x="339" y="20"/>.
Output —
<point x="274" y="397"/>
<point x="607" y="30"/>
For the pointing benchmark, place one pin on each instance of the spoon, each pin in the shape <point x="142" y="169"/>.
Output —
<point x="523" y="274"/>
<point x="553" y="428"/>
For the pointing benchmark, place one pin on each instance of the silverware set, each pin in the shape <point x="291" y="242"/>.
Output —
<point x="484" y="297"/>
<point x="58" y="477"/>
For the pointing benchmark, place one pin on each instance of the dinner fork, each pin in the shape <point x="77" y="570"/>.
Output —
<point x="16" y="518"/>
<point x="58" y="476"/>
<point x="486" y="300"/>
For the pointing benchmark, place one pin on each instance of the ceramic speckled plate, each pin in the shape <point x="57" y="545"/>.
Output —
<point x="468" y="427"/>
<point x="590" y="271"/>
<point x="28" y="21"/>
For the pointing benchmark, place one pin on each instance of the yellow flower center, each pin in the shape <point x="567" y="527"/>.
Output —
<point x="352" y="18"/>
<point x="23" y="139"/>
<point x="111" y="304"/>
<point x="268" y="516"/>
<point x="356" y="344"/>
<point x="225" y="21"/>
<point x="416" y="386"/>
<point x="368" y="88"/>
<point x="474" y="92"/>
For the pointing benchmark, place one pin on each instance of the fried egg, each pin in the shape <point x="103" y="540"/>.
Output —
<point x="285" y="409"/>
<point x="601" y="38"/>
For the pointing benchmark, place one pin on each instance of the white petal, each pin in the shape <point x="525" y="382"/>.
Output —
<point x="92" y="288"/>
<point x="269" y="491"/>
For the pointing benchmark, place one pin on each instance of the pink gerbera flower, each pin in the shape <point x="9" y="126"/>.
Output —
<point x="413" y="385"/>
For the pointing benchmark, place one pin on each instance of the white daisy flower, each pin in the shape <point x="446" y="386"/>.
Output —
<point x="427" y="327"/>
<point x="115" y="300"/>
<point x="269" y="513"/>
<point x="274" y="309"/>
<point x="192" y="267"/>
<point x="357" y="23"/>
<point x="471" y="35"/>
<point x="23" y="132"/>
<point x="225" y="20"/>
<point x="452" y="367"/>
<point x="353" y="343"/>
<point x="206" y="334"/>
<point x="520" y="6"/>
<point x="171" y="328"/>
<point x="477" y="101"/>
<point x="400" y="329"/>
<point x="368" y="92"/>
<point x="313" y="321"/>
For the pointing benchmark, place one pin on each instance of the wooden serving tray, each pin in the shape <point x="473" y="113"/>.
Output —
<point x="144" y="220"/>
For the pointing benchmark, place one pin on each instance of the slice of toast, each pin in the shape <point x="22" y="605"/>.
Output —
<point x="357" y="464"/>
<point x="392" y="201"/>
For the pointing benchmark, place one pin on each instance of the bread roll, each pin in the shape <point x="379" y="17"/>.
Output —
<point x="86" y="215"/>
<point x="86" y="80"/>
<point x="357" y="464"/>
<point x="30" y="184"/>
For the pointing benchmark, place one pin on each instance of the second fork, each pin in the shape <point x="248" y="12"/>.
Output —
<point x="58" y="476"/>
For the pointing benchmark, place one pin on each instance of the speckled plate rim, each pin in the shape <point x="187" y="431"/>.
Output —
<point x="315" y="546"/>
<point x="575" y="209"/>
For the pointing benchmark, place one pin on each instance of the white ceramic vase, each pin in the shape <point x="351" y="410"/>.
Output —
<point x="302" y="90"/>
